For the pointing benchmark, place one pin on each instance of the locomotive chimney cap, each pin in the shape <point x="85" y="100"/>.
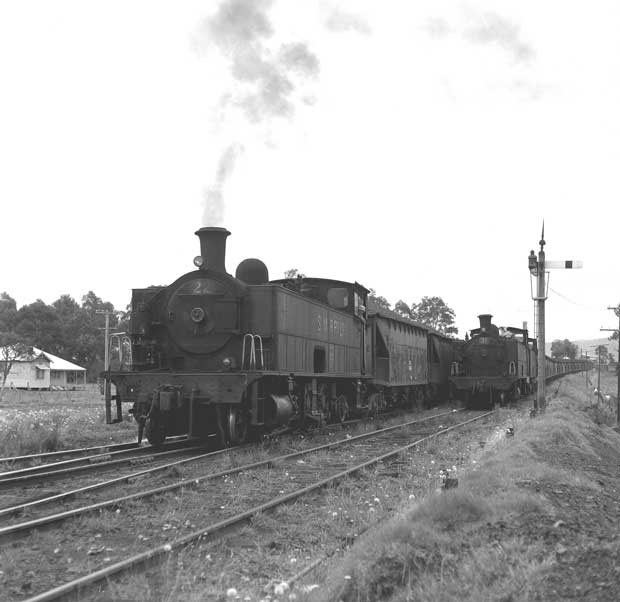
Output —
<point x="212" y="248"/>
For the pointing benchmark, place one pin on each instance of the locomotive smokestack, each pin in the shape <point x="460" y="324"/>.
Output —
<point x="213" y="248"/>
<point x="485" y="321"/>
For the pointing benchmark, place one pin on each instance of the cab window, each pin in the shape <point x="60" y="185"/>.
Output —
<point x="338" y="297"/>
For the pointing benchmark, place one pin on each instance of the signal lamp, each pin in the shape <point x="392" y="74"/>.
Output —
<point x="199" y="261"/>
<point x="227" y="362"/>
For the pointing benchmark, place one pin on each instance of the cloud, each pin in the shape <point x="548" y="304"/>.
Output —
<point x="339" y="21"/>
<point x="494" y="29"/>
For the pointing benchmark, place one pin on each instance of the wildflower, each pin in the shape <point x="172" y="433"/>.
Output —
<point x="280" y="588"/>
<point x="167" y="548"/>
<point x="231" y="592"/>
<point x="347" y="577"/>
<point x="293" y="560"/>
<point x="306" y="589"/>
<point x="334" y="514"/>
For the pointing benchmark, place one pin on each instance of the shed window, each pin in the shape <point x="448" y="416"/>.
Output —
<point x="40" y="374"/>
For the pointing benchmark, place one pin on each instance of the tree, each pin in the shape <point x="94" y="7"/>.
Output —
<point x="565" y="348"/>
<point x="433" y="312"/>
<point x="38" y="323"/>
<point x="602" y="352"/>
<point x="294" y="273"/>
<point x="403" y="309"/>
<point x="377" y="303"/>
<point x="12" y="346"/>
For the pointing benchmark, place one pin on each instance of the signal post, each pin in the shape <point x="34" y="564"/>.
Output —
<point x="538" y="267"/>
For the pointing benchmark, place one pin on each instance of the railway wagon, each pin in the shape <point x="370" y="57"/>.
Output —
<point x="213" y="354"/>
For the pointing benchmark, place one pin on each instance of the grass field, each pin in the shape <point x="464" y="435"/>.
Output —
<point x="43" y="421"/>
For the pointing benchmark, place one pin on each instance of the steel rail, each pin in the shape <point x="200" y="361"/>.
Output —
<point x="93" y="466"/>
<point x="11" y="530"/>
<point x="87" y="460"/>
<point x="109" y="483"/>
<point x="69" y="494"/>
<point x="103" y="448"/>
<point x="209" y="532"/>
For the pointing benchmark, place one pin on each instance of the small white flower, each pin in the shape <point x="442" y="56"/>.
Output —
<point x="347" y="577"/>
<point x="280" y="588"/>
<point x="376" y="500"/>
<point x="293" y="560"/>
<point x="412" y="496"/>
<point x="231" y="592"/>
<point x="167" y="548"/>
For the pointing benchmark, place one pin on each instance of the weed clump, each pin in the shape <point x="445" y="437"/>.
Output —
<point x="31" y="434"/>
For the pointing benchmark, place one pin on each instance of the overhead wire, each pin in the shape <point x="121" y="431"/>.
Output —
<point x="588" y="307"/>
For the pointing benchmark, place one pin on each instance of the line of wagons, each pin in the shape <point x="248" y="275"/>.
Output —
<point x="230" y="356"/>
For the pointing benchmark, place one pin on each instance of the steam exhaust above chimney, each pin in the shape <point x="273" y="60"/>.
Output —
<point x="213" y="248"/>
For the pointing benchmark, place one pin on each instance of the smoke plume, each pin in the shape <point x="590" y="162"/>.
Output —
<point x="267" y="82"/>
<point x="340" y="21"/>
<point x="266" y="79"/>
<point x="493" y="29"/>
<point x="214" y="195"/>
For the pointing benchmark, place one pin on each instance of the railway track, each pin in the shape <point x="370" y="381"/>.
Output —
<point x="93" y="465"/>
<point x="275" y="481"/>
<point x="48" y="458"/>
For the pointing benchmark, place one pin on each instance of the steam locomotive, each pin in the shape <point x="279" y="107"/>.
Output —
<point x="500" y="364"/>
<point x="216" y="355"/>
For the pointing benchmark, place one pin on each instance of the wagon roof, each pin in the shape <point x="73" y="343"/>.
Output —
<point x="374" y="310"/>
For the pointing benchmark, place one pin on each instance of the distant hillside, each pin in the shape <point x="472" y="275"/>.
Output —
<point x="590" y="344"/>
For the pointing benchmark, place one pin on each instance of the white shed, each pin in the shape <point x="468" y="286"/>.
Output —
<point x="43" y="370"/>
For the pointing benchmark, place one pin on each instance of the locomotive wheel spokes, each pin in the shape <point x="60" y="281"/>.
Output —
<point x="236" y="425"/>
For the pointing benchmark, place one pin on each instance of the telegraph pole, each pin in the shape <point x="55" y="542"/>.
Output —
<point x="106" y="366"/>
<point x="538" y="268"/>
<point x="616" y="330"/>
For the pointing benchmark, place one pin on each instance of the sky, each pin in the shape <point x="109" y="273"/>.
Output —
<point x="414" y="147"/>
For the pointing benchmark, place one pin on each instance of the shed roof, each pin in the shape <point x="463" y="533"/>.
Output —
<point x="55" y="362"/>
